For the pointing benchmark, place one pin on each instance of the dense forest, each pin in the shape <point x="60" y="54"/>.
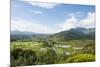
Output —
<point x="71" y="46"/>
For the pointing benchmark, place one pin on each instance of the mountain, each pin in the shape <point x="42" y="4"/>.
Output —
<point x="20" y="32"/>
<point x="75" y="34"/>
<point x="79" y="29"/>
<point x="72" y="34"/>
<point x="24" y="35"/>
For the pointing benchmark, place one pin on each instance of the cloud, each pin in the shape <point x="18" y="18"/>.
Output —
<point x="23" y="25"/>
<point x="73" y="22"/>
<point x="76" y="14"/>
<point x="16" y="5"/>
<point x="42" y="4"/>
<point x="37" y="12"/>
<point x="89" y="21"/>
<point x="69" y="23"/>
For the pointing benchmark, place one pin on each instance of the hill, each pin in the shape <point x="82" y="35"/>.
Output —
<point x="75" y="34"/>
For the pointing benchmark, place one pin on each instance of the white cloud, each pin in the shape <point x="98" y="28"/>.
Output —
<point x="37" y="12"/>
<point x="19" y="18"/>
<point x="76" y="14"/>
<point x="73" y="22"/>
<point x="89" y="21"/>
<point x="16" y="5"/>
<point x="42" y="4"/>
<point x="69" y="23"/>
<point x="23" y="25"/>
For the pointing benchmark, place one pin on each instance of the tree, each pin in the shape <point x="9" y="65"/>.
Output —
<point x="21" y="57"/>
<point x="47" y="57"/>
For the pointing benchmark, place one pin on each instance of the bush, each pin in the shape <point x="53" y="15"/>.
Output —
<point x="81" y="58"/>
<point x="21" y="57"/>
<point x="90" y="48"/>
<point x="47" y="57"/>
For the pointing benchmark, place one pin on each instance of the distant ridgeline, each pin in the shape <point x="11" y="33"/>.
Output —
<point x="72" y="34"/>
<point x="23" y="35"/>
<point x="75" y="34"/>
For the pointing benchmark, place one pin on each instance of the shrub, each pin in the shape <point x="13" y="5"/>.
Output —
<point x="21" y="57"/>
<point x="47" y="57"/>
<point x="81" y="58"/>
<point x="90" y="48"/>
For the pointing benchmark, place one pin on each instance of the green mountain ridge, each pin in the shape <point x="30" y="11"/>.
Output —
<point x="75" y="34"/>
<point x="72" y="34"/>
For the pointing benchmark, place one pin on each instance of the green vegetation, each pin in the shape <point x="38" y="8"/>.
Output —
<point x="21" y="57"/>
<point x="81" y="58"/>
<point x="43" y="52"/>
<point x="52" y="49"/>
<point x="90" y="48"/>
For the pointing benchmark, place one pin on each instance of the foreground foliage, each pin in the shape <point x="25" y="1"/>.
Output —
<point x="81" y="58"/>
<point x="45" y="52"/>
<point x="21" y="57"/>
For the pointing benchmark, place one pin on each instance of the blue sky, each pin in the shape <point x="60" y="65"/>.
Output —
<point x="42" y="17"/>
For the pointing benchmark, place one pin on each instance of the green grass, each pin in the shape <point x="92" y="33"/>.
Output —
<point x="26" y="45"/>
<point x="79" y="43"/>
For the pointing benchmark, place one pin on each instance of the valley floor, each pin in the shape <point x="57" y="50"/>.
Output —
<point x="36" y="53"/>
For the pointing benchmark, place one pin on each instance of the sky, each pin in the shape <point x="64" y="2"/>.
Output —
<point x="48" y="18"/>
